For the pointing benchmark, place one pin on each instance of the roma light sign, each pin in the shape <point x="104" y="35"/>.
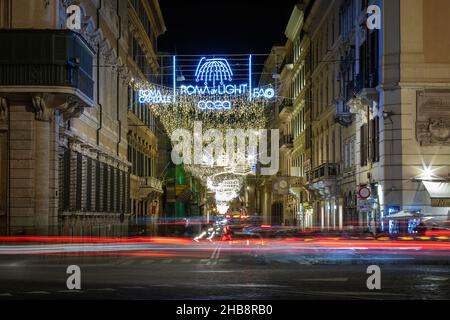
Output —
<point x="213" y="86"/>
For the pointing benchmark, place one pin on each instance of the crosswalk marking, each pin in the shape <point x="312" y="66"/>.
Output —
<point x="186" y="260"/>
<point x="148" y="261"/>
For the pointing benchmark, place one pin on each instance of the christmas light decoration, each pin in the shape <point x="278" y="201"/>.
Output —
<point x="218" y="103"/>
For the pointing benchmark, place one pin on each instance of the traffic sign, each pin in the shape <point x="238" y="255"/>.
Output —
<point x="364" y="193"/>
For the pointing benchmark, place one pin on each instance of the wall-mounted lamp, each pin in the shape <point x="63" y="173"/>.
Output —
<point x="387" y="114"/>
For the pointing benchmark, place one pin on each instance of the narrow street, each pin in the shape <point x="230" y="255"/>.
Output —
<point x="219" y="271"/>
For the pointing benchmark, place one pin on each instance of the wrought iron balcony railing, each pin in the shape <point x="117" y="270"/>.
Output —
<point x="151" y="182"/>
<point x="343" y="114"/>
<point x="323" y="172"/>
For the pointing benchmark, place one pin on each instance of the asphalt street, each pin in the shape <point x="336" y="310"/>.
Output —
<point x="218" y="271"/>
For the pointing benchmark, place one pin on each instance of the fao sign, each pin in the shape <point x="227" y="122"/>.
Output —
<point x="73" y="21"/>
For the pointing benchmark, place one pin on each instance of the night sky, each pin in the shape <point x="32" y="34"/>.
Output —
<point x="224" y="26"/>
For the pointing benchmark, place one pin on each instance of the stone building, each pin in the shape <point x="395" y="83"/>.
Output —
<point x="265" y="195"/>
<point x="299" y="63"/>
<point x="402" y="109"/>
<point x="372" y="118"/>
<point x="64" y="101"/>
<point x="319" y="43"/>
<point x="146" y="24"/>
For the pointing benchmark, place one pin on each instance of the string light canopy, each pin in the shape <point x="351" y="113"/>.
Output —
<point x="220" y="94"/>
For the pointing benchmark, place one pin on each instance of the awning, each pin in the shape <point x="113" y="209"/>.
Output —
<point x="439" y="193"/>
<point x="438" y="189"/>
<point x="403" y="215"/>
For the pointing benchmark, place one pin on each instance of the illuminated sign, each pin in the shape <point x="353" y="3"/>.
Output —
<point x="154" y="96"/>
<point x="212" y="70"/>
<point x="214" y="105"/>
<point x="213" y="85"/>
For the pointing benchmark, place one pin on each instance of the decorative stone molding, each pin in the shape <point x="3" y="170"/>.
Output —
<point x="67" y="3"/>
<point x="75" y="144"/>
<point x="433" y="118"/>
<point x="359" y="105"/>
<point x="89" y="33"/>
<point x="124" y="73"/>
<point x="108" y="53"/>
<point x="3" y="109"/>
<point x="72" y="108"/>
<point x="42" y="111"/>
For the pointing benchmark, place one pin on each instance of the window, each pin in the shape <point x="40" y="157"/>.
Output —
<point x="351" y="154"/>
<point x="105" y="188"/>
<point x="89" y="184"/>
<point x="375" y="140"/>
<point x="346" y="162"/>
<point x="363" y="144"/>
<point x="112" y="190"/>
<point x="79" y="176"/>
<point x="97" y="186"/>
<point x="66" y="180"/>
<point x="333" y="146"/>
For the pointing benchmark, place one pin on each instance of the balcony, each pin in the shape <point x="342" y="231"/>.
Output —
<point x="325" y="171"/>
<point x="55" y="61"/>
<point x="286" y="108"/>
<point x="323" y="179"/>
<point x="343" y="115"/>
<point x="297" y="185"/>
<point x="149" y="187"/>
<point x="365" y="87"/>
<point x="286" y="141"/>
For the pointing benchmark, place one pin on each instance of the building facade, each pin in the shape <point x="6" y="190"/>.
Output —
<point x="66" y="110"/>
<point x="146" y="24"/>
<point x="402" y="106"/>
<point x="371" y="98"/>
<point x="299" y="63"/>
